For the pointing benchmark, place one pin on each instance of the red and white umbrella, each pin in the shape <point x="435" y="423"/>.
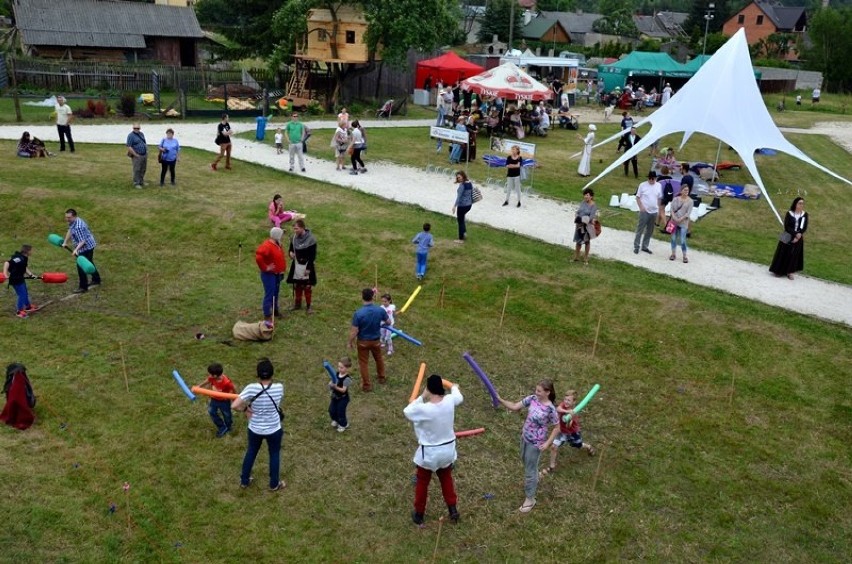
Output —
<point x="507" y="81"/>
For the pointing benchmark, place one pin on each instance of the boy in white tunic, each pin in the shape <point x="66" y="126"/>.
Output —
<point x="433" y="415"/>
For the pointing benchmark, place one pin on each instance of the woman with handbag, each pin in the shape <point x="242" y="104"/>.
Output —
<point x="302" y="275"/>
<point x="790" y="252"/>
<point x="262" y="404"/>
<point x="464" y="201"/>
<point x="679" y="222"/>
<point x="584" y="225"/>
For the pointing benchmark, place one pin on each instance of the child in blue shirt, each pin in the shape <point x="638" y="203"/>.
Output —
<point x="423" y="240"/>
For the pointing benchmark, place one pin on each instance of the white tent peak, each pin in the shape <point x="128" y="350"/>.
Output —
<point x="723" y="101"/>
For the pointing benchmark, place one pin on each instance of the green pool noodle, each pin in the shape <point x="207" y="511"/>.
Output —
<point x="86" y="265"/>
<point x="55" y="239"/>
<point x="567" y="417"/>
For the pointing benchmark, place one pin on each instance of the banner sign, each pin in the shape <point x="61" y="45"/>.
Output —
<point x="503" y="146"/>
<point x="446" y="134"/>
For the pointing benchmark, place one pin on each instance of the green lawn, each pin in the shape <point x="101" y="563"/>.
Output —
<point x="688" y="470"/>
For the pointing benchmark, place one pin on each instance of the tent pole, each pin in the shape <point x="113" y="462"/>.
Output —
<point x="718" y="152"/>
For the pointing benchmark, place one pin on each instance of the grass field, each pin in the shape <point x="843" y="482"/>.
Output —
<point x="723" y="425"/>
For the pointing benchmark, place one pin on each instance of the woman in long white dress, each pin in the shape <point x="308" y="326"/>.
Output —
<point x="585" y="168"/>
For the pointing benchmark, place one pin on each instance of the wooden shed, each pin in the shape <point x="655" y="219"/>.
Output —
<point x="339" y="40"/>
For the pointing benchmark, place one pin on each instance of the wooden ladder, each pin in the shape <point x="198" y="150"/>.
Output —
<point x="296" y="87"/>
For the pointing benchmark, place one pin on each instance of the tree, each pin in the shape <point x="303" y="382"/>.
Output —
<point x="497" y="21"/>
<point x="394" y="27"/>
<point x="246" y="22"/>
<point x="830" y="31"/>
<point x="617" y="19"/>
<point x="695" y="22"/>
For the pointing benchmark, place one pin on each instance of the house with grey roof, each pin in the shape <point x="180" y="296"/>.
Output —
<point x="662" y="26"/>
<point x="108" y="30"/>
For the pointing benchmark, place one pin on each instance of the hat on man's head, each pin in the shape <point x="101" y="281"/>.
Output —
<point x="276" y="233"/>
<point x="435" y="385"/>
<point x="593" y="127"/>
<point x="652" y="174"/>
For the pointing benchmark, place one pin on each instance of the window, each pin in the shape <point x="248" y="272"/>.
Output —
<point x="322" y="35"/>
<point x="759" y="20"/>
<point x="350" y="36"/>
<point x="741" y="19"/>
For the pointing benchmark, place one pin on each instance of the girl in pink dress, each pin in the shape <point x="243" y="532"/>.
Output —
<point x="277" y="215"/>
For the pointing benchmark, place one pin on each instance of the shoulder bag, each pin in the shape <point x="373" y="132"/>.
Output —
<point x="475" y="195"/>
<point x="785" y="237"/>
<point x="264" y="390"/>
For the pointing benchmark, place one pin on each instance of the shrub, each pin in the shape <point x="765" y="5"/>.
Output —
<point x="127" y="104"/>
<point x="101" y="108"/>
<point x="314" y="108"/>
<point x="90" y="105"/>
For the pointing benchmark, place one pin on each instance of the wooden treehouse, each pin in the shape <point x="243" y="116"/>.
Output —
<point x="329" y="40"/>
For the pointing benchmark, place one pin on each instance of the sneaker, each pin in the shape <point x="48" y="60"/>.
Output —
<point x="244" y="486"/>
<point x="303" y="170"/>
<point x="353" y="172"/>
<point x="80" y="291"/>
<point x="138" y="186"/>
<point x="22" y="314"/>
<point x="213" y="166"/>
<point x="506" y="203"/>
<point x="363" y="170"/>
<point x="519" y="204"/>
<point x="647" y="250"/>
<point x="635" y="251"/>
<point x="280" y="486"/>
<point x="334" y="424"/>
<point x="222" y="432"/>
<point x="341" y="428"/>
<point x="417" y="518"/>
<point x="309" y="310"/>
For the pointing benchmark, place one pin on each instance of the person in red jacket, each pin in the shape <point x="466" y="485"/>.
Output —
<point x="270" y="259"/>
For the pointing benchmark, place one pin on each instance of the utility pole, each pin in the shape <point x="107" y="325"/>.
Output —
<point x="511" y="22"/>
<point x="708" y="15"/>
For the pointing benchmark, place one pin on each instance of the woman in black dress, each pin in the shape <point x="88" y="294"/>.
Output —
<point x="790" y="253"/>
<point x="302" y="275"/>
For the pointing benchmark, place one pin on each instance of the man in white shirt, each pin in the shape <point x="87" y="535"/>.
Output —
<point x="64" y="117"/>
<point x="648" y="197"/>
<point x="433" y="415"/>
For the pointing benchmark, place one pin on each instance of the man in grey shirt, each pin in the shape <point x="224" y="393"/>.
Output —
<point x="648" y="197"/>
<point x="137" y="150"/>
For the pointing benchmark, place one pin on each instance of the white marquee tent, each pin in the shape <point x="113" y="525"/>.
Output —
<point x="722" y="100"/>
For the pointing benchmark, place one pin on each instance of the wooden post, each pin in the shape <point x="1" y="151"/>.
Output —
<point x="377" y="278"/>
<point x="240" y="256"/>
<point x="441" y="294"/>
<point x="597" y="332"/>
<point x="18" y="117"/>
<point x="598" y="470"/>
<point x="148" y="292"/>
<point x="731" y="394"/>
<point x="438" y="539"/>
<point x="505" y="301"/>
<point x="124" y="367"/>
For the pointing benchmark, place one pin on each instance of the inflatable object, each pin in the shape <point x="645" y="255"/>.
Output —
<point x="55" y="239"/>
<point x="416" y="391"/>
<point x="567" y="417"/>
<point x="214" y="393"/>
<point x="182" y="384"/>
<point x="470" y="432"/>
<point x="54" y="278"/>
<point x="402" y="334"/>
<point x="86" y="265"/>
<point x="410" y="299"/>
<point x="331" y="373"/>
<point x="488" y="385"/>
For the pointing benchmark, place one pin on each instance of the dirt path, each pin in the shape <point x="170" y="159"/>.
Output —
<point x="539" y="217"/>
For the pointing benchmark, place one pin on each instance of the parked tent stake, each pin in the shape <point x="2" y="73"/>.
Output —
<point x="240" y="256"/>
<point x="377" y="278"/>
<point x="438" y="539"/>
<point x="441" y="294"/>
<point x="505" y="301"/>
<point x="124" y="367"/>
<point x="597" y="332"/>
<point x="598" y="470"/>
<point x="731" y="395"/>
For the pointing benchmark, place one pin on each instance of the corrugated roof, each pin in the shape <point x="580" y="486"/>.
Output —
<point x="101" y="23"/>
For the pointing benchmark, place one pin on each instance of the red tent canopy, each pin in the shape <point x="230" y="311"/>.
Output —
<point x="448" y="68"/>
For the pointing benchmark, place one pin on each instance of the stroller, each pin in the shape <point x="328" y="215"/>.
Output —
<point x="386" y="110"/>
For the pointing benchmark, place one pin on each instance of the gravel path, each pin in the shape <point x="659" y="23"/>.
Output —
<point x="539" y="217"/>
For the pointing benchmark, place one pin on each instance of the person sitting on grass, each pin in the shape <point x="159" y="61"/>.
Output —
<point x="31" y="147"/>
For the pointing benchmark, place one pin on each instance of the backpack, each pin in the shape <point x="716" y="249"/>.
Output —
<point x="11" y="371"/>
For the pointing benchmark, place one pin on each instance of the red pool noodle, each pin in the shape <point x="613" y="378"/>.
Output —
<point x="470" y="432"/>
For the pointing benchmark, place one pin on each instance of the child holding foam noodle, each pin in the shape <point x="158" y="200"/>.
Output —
<point x="219" y="409"/>
<point x="340" y="395"/>
<point x="566" y="432"/>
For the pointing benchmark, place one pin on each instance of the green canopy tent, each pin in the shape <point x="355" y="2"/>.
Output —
<point x="639" y="64"/>
<point x="698" y="61"/>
